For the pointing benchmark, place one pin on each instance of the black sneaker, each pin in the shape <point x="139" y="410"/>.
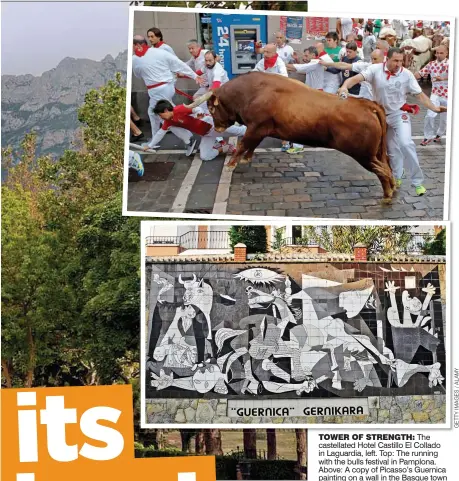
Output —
<point x="437" y="139"/>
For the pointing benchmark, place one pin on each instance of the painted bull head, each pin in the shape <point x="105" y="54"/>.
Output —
<point x="199" y="294"/>
<point x="223" y="118"/>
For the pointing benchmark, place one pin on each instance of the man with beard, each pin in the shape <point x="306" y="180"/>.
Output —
<point x="214" y="74"/>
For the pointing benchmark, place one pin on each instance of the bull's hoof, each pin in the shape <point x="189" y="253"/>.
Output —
<point x="245" y="161"/>
<point x="231" y="165"/>
<point x="386" y="201"/>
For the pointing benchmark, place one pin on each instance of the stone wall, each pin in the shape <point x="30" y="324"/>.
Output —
<point x="390" y="410"/>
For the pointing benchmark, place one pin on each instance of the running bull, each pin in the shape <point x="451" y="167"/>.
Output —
<point x="275" y="106"/>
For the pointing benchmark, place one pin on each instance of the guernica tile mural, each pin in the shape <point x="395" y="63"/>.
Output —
<point x="291" y="330"/>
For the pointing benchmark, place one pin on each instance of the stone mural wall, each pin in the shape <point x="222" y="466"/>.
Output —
<point x="297" y="331"/>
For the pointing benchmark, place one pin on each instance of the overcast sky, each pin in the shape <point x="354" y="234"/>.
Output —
<point x="37" y="36"/>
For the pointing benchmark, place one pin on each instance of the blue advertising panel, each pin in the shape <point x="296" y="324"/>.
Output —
<point x="294" y="29"/>
<point x="221" y="35"/>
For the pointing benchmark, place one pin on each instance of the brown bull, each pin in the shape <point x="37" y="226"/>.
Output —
<point x="274" y="106"/>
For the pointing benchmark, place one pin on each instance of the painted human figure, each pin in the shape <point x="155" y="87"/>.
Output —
<point x="412" y="306"/>
<point x="175" y="350"/>
<point x="184" y="344"/>
<point x="165" y="286"/>
<point x="206" y="378"/>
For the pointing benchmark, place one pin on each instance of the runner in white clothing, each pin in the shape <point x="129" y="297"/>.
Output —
<point x="197" y="63"/>
<point x="213" y="73"/>
<point x="391" y="83"/>
<point x="315" y="73"/>
<point x="345" y="27"/>
<point x="366" y="92"/>
<point x="283" y="49"/>
<point x="271" y="62"/>
<point x="156" y="39"/>
<point x="156" y="68"/>
<point x="438" y="71"/>
<point x="314" y="70"/>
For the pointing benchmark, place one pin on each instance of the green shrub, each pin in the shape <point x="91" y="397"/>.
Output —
<point x="437" y="246"/>
<point x="253" y="236"/>
<point x="226" y="465"/>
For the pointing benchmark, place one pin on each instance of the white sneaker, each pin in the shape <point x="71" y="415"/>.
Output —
<point x="228" y="149"/>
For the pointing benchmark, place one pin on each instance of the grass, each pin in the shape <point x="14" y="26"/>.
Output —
<point x="233" y="438"/>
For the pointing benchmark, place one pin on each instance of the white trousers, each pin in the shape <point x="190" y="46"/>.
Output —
<point x="164" y="92"/>
<point x="206" y="149"/>
<point x="401" y="148"/>
<point x="429" y="121"/>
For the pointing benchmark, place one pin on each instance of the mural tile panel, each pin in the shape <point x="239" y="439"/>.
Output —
<point x="293" y="330"/>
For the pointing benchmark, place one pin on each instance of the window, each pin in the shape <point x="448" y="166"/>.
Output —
<point x="297" y="234"/>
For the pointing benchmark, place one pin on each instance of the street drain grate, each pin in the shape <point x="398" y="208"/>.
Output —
<point x="198" y="211"/>
<point x="153" y="172"/>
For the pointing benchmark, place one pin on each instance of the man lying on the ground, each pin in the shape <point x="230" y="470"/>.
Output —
<point x="195" y="120"/>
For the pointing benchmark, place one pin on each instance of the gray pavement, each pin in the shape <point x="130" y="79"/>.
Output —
<point x="316" y="183"/>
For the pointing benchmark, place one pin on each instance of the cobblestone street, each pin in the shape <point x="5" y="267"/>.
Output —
<point x="316" y="183"/>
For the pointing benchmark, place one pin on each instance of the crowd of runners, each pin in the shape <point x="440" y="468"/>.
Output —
<point x="377" y="59"/>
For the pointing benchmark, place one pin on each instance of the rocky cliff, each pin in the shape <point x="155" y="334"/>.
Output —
<point x="49" y="104"/>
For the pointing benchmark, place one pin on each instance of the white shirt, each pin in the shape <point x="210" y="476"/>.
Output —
<point x="279" y="67"/>
<point x="400" y="27"/>
<point x="167" y="48"/>
<point x="332" y="81"/>
<point x="391" y="92"/>
<point x="346" y="27"/>
<point x="199" y="62"/>
<point x="285" y="53"/>
<point x="216" y="74"/>
<point x="158" y="65"/>
<point x="366" y="92"/>
<point x="315" y="72"/>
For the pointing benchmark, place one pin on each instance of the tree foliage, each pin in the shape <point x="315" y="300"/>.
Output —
<point x="378" y="239"/>
<point x="299" y="6"/>
<point x="437" y="246"/>
<point x="253" y="236"/>
<point x="71" y="277"/>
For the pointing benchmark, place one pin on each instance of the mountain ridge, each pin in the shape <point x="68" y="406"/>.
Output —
<point x="48" y="104"/>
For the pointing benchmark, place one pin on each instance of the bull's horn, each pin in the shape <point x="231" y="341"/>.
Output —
<point x="200" y="100"/>
<point x="180" y="279"/>
<point x="194" y="278"/>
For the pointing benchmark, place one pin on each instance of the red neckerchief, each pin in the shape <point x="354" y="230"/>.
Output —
<point x="141" y="53"/>
<point x="270" y="62"/>
<point x="359" y="43"/>
<point x="388" y="73"/>
<point x="321" y="54"/>
<point x="199" y="53"/>
<point x="157" y="45"/>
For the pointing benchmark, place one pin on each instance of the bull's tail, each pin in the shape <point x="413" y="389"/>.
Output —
<point x="384" y="167"/>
